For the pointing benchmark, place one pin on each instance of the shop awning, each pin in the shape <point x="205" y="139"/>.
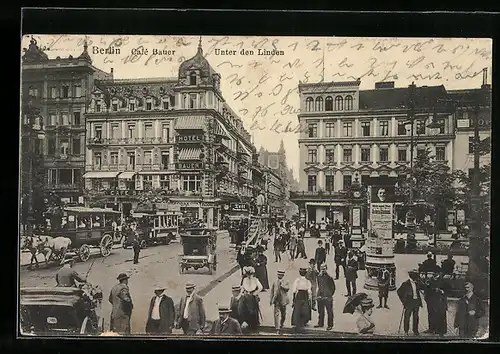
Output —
<point x="221" y="131"/>
<point x="190" y="123"/>
<point x="189" y="154"/>
<point x="242" y="149"/>
<point x="126" y="175"/>
<point x="101" y="174"/>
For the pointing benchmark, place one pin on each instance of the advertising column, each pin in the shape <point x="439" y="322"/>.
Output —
<point x="380" y="240"/>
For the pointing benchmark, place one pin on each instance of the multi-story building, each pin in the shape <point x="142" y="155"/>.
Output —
<point x="361" y="135"/>
<point x="174" y="135"/>
<point x="63" y="86"/>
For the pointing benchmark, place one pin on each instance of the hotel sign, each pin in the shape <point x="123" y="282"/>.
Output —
<point x="189" y="166"/>
<point x="190" y="138"/>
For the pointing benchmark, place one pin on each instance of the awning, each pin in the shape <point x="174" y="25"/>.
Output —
<point x="243" y="149"/>
<point x="126" y="175"/>
<point x="190" y="154"/>
<point x="101" y="174"/>
<point x="190" y="123"/>
<point x="221" y="131"/>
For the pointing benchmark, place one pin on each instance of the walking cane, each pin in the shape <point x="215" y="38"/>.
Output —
<point x="401" y="320"/>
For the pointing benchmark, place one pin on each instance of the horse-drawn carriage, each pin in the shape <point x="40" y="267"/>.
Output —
<point x="198" y="247"/>
<point x="61" y="311"/>
<point x="75" y="229"/>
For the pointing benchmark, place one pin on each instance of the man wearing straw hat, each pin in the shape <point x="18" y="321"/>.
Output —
<point x="225" y="324"/>
<point x="279" y="300"/>
<point x="121" y="301"/>
<point x="161" y="315"/>
<point x="191" y="314"/>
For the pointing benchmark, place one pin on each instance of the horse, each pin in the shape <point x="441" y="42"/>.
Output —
<point x="46" y="245"/>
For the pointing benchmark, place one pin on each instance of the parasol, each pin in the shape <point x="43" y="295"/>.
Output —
<point x="353" y="302"/>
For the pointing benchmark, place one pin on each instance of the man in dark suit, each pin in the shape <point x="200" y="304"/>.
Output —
<point x="409" y="294"/>
<point x="121" y="301"/>
<point x="161" y="315"/>
<point x="235" y="301"/>
<point x="320" y="255"/>
<point x="191" y="315"/>
<point x="326" y="289"/>
<point x="351" y="274"/>
<point x="340" y="257"/>
<point x="225" y="325"/>
<point x="469" y="310"/>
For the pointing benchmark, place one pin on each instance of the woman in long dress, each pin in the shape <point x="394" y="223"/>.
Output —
<point x="260" y="265"/>
<point x="302" y="301"/>
<point x="248" y="307"/>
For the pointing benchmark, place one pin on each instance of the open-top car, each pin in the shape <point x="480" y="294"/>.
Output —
<point x="198" y="246"/>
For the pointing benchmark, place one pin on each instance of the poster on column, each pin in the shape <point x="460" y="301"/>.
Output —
<point x="380" y="237"/>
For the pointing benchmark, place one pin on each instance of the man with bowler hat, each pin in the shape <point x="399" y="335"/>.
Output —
<point x="121" y="301"/>
<point x="279" y="300"/>
<point x="161" y="315"/>
<point x="191" y="314"/>
<point x="409" y="294"/>
<point x="225" y="324"/>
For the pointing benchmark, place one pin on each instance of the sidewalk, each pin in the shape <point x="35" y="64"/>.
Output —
<point x="387" y="320"/>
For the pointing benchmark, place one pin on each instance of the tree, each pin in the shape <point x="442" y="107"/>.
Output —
<point x="153" y="196"/>
<point x="465" y="191"/>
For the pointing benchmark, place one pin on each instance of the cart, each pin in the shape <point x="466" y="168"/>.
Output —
<point x="198" y="247"/>
<point x="61" y="311"/>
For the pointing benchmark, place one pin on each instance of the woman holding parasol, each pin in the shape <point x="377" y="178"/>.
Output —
<point x="363" y="305"/>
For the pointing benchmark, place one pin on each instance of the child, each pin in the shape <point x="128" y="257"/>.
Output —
<point x="383" y="288"/>
<point x="365" y="323"/>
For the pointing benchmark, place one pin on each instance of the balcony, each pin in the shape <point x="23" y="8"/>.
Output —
<point x="318" y="195"/>
<point x="63" y="187"/>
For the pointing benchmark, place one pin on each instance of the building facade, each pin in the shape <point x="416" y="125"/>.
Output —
<point x="170" y="137"/>
<point x="361" y="135"/>
<point x="62" y="86"/>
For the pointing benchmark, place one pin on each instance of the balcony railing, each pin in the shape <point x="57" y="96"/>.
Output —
<point x="318" y="194"/>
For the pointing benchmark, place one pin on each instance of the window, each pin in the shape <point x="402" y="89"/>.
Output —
<point x="312" y="156"/>
<point x="98" y="132"/>
<point x="148" y="130"/>
<point x="149" y="106"/>
<point x="330" y="130"/>
<point x="97" y="160"/>
<point x="165" y="104"/>
<point x="347" y="182"/>
<point x="384" y="154"/>
<point x="172" y="101"/>
<point x="348" y="129"/>
<point x="76" y="146"/>
<point x="148" y="157"/>
<point x="77" y="175"/>
<point x="313" y="130"/>
<point x="191" y="183"/>
<point x="114" y="158"/>
<point x="471" y="144"/>
<point x="98" y="106"/>
<point x="401" y="127"/>
<point x="63" y="146"/>
<point x="365" y="155"/>
<point x="131" y="131"/>
<point x="33" y="92"/>
<point x="165" y="182"/>
<point x="192" y="101"/>
<point x="420" y="127"/>
<point x="319" y="104"/>
<point x="440" y="153"/>
<point x="330" y="156"/>
<point x="329" y="181"/>
<point x="165" y="132"/>
<point x="401" y="154"/>
<point x="347" y="155"/>
<point x="339" y="103"/>
<point x="192" y="78"/>
<point x="52" y="176"/>
<point x="329" y="103"/>
<point x="365" y="128"/>
<point x="384" y="128"/>
<point x="78" y="91"/>
<point x="65" y="176"/>
<point x="53" y="119"/>
<point x="52" y="92"/>
<point x="309" y="104"/>
<point x="147" y="182"/>
<point x="77" y="118"/>
<point x="348" y="103"/>
<point x="441" y="126"/>
<point x="65" y="119"/>
<point x="131" y="106"/>
<point x="51" y="145"/>
<point x="311" y="183"/>
<point x="115" y="131"/>
<point x="131" y="160"/>
<point x="365" y="180"/>
<point x="65" y="91"/>
<point x="165" y="159"/>
<point x="114" y="107"/>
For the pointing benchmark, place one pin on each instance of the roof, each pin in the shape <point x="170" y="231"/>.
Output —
<point x="198" y="62"/>
<point x="394" y="98"/>
<point x="50" y="296"/>
<point x="471" y="95"/>
<point x="91" y="210"/>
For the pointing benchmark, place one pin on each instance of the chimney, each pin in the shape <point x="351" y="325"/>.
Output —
<point x="485" y="79"/>
<point x="384" y="85"/>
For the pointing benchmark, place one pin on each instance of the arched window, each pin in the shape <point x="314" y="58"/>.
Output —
<point x="329" y="103"/>
<point x="309" y="104"/>
<point x="319" y="104"/>
<point x="339" y="103"/>
<point x="348" y="103"/>
<point x="192" y="78"/>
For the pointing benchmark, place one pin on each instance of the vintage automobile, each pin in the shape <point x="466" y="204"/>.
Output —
<point x="86" y="228"/>
<point x="198" y="247"/>
<point x="61" y="311"/>
<point x="158" y="228"/>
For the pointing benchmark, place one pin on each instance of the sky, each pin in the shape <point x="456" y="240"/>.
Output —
<point x="261" y="87"/>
